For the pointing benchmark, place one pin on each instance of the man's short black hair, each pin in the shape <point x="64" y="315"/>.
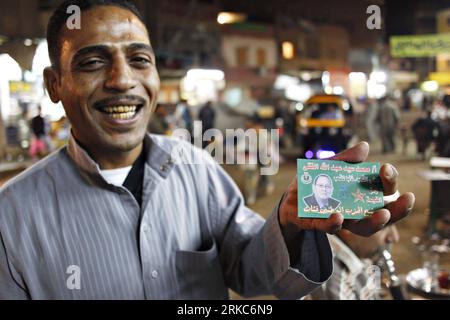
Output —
<point x="60" y="17"/>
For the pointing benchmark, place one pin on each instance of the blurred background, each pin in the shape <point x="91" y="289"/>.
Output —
<point x="383" y="72"/>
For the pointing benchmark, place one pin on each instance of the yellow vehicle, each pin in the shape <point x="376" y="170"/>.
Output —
<point x="322" y="125"/>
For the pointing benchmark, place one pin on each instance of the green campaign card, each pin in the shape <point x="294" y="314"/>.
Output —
<point x="328" y="186"/>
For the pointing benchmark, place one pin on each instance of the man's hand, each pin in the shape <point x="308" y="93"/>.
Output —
<point x="292" y="224"/>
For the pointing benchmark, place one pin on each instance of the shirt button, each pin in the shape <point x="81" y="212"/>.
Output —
<point x="154" y="274"/>
<point x="145" y="228"/>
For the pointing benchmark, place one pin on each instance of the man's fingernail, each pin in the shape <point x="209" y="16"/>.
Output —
<point x="395" y="170"/>
<point x="389" y="171"/>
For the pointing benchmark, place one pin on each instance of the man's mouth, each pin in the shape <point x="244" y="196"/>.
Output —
<point x="121" y="108"/>
<point x="122" y="112"/>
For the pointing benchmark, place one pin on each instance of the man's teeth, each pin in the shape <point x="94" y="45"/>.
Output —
<point x="122" y="116"/>
<point x="120" y="109"/>
<point x="121" y="112"/>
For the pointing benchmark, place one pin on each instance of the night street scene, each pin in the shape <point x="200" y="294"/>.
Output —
<point x="225" y="150"/>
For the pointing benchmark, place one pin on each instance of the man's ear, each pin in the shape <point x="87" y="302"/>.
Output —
<point x="51" y="79"/>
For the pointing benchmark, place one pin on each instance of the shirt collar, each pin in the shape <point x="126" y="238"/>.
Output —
<point x="157" y="157"/>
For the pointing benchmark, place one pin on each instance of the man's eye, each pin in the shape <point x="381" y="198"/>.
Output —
<point x="141" y="60"/>
<point x="91" y="64"/>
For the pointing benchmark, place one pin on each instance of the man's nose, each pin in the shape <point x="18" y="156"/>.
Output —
<point x="121" y="77"/>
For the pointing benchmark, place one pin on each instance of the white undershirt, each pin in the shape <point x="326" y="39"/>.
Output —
<point x="116" y="176"/>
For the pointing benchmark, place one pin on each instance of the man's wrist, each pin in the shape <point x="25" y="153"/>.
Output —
<point x="293" y="239"/>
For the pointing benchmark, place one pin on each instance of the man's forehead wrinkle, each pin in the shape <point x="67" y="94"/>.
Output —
<point x="110" y="48"/>
<point x="106" y="26"/>
<point x="104" y="34"/>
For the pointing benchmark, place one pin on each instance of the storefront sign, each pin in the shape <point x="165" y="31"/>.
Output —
<point x="19" y="87"/>
<point x="420" y="46"/>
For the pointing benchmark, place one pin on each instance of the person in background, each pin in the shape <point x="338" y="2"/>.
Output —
<point x="406" y="101"/>
<point x="207" y="116"/>
<point x="439" y="111"/>
<point x="443" y="139"/>
<point x="38" y="146"/>
<point x="331" y="113"/>
<point x="183" y="115"/>
<point x="354" y="276"/>
<point x="404" y="130"/>
<point x="388" y="119"/>
<point x="254" y="181"/>
<point x="425" y="131"/>
<point x="371" y="120"/>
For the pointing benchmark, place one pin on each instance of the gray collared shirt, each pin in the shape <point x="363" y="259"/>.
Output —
<point x="67" y="234"/>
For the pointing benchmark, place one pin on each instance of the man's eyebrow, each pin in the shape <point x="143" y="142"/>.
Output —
<point x="92" y="49"/>
<point x="141" y="46"/>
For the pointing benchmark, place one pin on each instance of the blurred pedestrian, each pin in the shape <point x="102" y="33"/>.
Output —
<point x="439" y="111"/>
<point x="183" y="115"/>
<point x="331" y="113"/>
<point x="406" y="101"/>
<point x="425" y="130"/>
<point x="253" y="150"/>
<point x="38" y="146"/>
<point x="443" y="138"/>
<point x="371" y="120"/>
<point x="388" y="119"/>
<point x="207" y="117"/>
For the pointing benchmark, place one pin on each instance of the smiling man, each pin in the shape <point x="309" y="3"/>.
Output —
<point x="112" y="216"/>
<point x="105" y="76"/>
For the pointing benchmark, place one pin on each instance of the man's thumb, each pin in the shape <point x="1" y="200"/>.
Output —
<point x="358" y="153"/>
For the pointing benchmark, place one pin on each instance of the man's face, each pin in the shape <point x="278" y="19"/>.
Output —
<point x="107" y="81"/>
<point x="367" y="247"/>
<point x="323" y="188"/>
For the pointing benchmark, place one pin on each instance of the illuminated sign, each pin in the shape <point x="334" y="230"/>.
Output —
<point x="19" y="87"/>
<point x="419" y="46"/>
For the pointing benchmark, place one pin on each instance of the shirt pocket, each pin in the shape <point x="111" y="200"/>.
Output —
<point x="200" y="274"/>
